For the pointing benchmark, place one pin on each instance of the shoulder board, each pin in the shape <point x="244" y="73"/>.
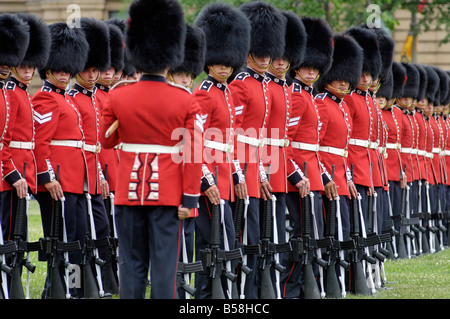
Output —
<point x="10" y="86"/>
<point x="242" y="76"/>
<point x="321" y="96"/>
<point x="179" y="86"/>
<point x="46" y="89"/>
<point x="73" y="92"/>
<point x="206" y="85"/>
<point x="297" y="88"/>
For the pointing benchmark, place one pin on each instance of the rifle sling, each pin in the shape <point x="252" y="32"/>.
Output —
<point x="8" y="248"/>
<point x="187" y="268"/>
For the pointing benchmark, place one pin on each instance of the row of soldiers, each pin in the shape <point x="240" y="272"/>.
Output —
<point x="292" y="171"/>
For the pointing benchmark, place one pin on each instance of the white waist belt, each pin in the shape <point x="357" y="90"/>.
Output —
<point x="150" y="148"/>
<point x="422" y="152"/>
<point x="227" y="148"/>
<point x="447" y="152"/>
<point x="406" y="150"/>
<point x="363" y="143"/>
<point x="429" y="155"/>
<point x="277" y="142"/>
<point x="92" y="148"/>
<point x="393" y="146"/>
<point x="22" y="145"/>
<point x="250" y="140"/>
<point x="334" y="150"/>
<point x="69" y="143"/>
<point x="435" y="150"/>
<point x="305" y="146"/>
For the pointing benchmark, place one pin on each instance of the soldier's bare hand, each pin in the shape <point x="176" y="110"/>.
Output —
<point x="104" y="187"/>
<point x="241" y="190"/>
<point x="213" y="195"/>
<point x="21" y="187"/>
<point x="266" y="190"/>
<point x="184" y="212"/>
<point x="55" y="189"/>
<point x="303" y="187"/>
<point x="331" y="190"/>
<point x="352" y="189"/>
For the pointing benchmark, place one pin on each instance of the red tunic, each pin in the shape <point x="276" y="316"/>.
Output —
<point x="442" y="143"/>
<point x="306" y="126"/>
<point x="252" y="103"/>
<point x="420" y="120"/>
<point x="109" y="157"/>
<point x="431" y="173"/>
<point x="87" y="105"/>
<point x="19" y="139"/>
<point x="4" y="118"/>
<point x="436" y="148"/>
<point x="407" y="146"/>
<point x="447" y="149"/>
<point x="335" y="133"/>
<point x="218" y="114"/>
<point x="394" y="123"/>
<point x="161" y="116"/>
<point x="57" y="121"/>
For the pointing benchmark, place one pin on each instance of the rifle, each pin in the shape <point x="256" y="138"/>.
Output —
<point x="214" y="257"/>
<point x="5" y="249"/>
<point x="93" y="288"/>
<point x="55" y="251"/>
<point x="335" y="253"/>
<point x="110" y="279"/>
<point x="401" y="240"/>
<point x="308" y="245"/>
<point x="390" y="229"/>
<point x="358" y="284"/>
<point x="20" y="237"/>
<point x="185" y="268"/>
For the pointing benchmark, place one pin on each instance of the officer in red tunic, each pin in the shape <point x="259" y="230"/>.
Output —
<point x="82" y="95"/>
<point x="392" y="117"/>
<point x="304" y="120"/>
<point x="59" y="135"/>
<point x="252" y="108"/>
<point x="156" y="185"/>
<point x="363" y="143"/>
<point x="19" y="140"/>
<point x="336" y="129"/>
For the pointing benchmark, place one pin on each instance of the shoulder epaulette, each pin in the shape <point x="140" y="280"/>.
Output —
<point x="242" y="76"/>
<point x="46" y="89"/>
<point x="73" y="92"/>
<point x="296" y="88"/>
<point x="11" y="86"/>
<point x="321" y="96"/>
<point x="206" y="85"/>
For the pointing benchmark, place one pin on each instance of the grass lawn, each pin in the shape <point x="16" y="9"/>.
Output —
<point x="423" y="277"/>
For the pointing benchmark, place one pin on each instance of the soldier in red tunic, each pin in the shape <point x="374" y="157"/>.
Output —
<point x="227" y="34"/>
<point x="19" y="139"/>
<point x="252" y="109"/>
<point x="156" y="185"/>
<point x="59" y="136"/>
<point x="363" y="145"/>
<point x="303" y="132"/>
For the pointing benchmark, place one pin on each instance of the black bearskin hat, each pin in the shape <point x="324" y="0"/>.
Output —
<point x="116" y="45"/>
<point x="399" y="80"/>
<point x="97" y="35"/>
<point x="227" y="34"/>
<point x="386" y="88"/>
<point x="443" y="85"/>
<point x="432" y="86"/>
<point x="295" y="39"/>
<point x="447" y="100"/>
<point x="68" y="51"/>
<point x="39" y="46"/>
<point x="386" y="46"/>
<point x="155" y="35"/>
<point x="268" y="28"/>
<point x="368" y="42"/>
<point x="423" y="82"/>
<point x="319" y="45"/>
<point x="412" y="84"/>
<point x="347" y="63"/>
<point x="14" y="39"/>
<point x="194" y="52"/>
<point x="128" y="68"/>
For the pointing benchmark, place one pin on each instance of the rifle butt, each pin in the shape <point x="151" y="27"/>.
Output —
<point x="359" y="280"/>
<point x="332" y="288"/>
<point x="90" y="287"/>
<point x="311" y="287"/>
<point x="401" y="247"/>
<point x="56" y="287"/>
<point x="217" y="290"/>
<point x="267" y="291"/>
<point x="109" y="280"/>
<point x="16" y="289"/>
